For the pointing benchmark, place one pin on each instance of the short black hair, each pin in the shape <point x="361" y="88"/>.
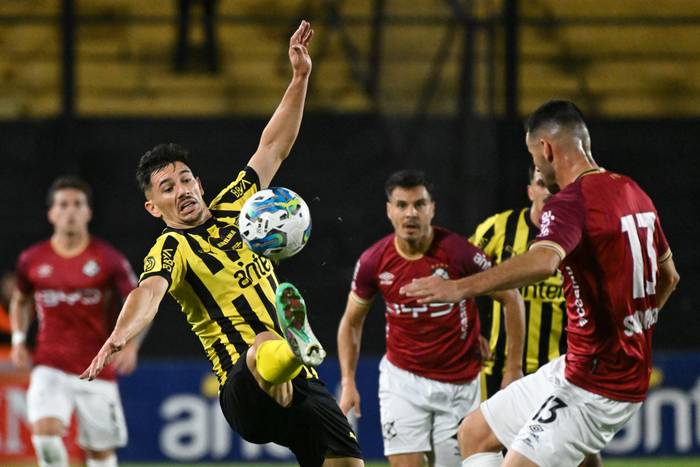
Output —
<point x="557" y="112"/>
<point x="156" y="159"/>
<point x="407" y="178"/>
<point x="68" y="182"/>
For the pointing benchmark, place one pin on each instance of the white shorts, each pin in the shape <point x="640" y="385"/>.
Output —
<point x="551" y="421"/>
<point x="55" y="393"/>
<point x="418" y="412"/>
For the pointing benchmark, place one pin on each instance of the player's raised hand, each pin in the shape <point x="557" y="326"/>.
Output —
<point x="102" y="359"/>
<point x="432" y="289"/>
<point x="298" y="49"/>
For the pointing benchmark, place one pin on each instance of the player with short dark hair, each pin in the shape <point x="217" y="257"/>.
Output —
<point x="429" y="376"/>
<point x="603" y="232"/>
<point x="269" y="391"/>
<point x="72" y="278"/>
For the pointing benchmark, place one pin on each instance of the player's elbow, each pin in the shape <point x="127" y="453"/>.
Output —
<point x="668" y="275"/>
<point x="545" y="262"/>
<point x="672" y="278"/>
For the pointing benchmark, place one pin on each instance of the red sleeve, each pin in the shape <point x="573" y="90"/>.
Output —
<point x="123" y="276"/>
<point x="663" y="250"/>
<point x="562" y="221"/>
<point x="364" y="285"/>
<point x="474" y="260"/>
<point x="22" y="271"/>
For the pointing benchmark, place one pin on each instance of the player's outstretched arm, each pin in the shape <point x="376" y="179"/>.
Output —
<point x="667" y="282"/>
<point x="349" y="340"/>
<point x="514" y="310"/>
<point x="21" y="315"/>
<point x="282" y="129"/>
<point x="535" y="265"/>
<point x="138" y="311"/>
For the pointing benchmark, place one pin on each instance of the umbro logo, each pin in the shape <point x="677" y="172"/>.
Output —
<point x="386" y="278"/>
<point x="44" y="270"/>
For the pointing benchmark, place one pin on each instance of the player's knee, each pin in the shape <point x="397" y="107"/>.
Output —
<point x="475" y="435"/>
<point x="102" y="459"/>
<point x="446" y="453"/>
<point x="50" y="451"/>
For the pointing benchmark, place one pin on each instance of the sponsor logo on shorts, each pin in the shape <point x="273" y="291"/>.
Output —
<point x="536" y="428"/>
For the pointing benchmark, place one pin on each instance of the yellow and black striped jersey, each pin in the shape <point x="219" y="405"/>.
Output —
<point x="226" y="291"/>
<point x="501" y="236"/>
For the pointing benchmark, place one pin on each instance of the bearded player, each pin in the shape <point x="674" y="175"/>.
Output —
<point x="74" y="279"/>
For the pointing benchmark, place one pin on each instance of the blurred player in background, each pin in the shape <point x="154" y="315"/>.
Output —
<point x="73" y="278"/>
<point x="604" y="234"/>
<point x="503" y="236"/>
<point x="8" y="282"/>
<point x="268" y="390"/>
<point x="429" y="376"/>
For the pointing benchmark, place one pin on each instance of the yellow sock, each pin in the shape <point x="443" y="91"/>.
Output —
<point x="276" y="362"/>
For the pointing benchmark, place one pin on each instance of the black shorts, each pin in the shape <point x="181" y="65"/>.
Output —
<point x="312" y="427"/>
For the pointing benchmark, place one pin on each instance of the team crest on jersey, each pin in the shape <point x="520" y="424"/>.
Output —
<point x="441" y="272"/>
<point x="149" y="263"/>
<point x="44" y="270"/>
<point x="91" y="268"/>
<point x="386" y="278"/>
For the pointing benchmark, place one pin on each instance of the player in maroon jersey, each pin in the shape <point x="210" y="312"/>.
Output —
<point x="604" y="234"/>
<point x="429" y="375"/>
<point x="73" y="279"/>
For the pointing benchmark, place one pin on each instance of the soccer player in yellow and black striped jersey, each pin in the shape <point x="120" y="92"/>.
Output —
<point x="229" y="295"/>
<point x="501" y="236"/>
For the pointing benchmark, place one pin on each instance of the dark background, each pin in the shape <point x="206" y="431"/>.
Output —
<point x="339" y="165"/>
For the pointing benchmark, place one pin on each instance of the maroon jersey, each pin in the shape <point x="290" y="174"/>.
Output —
<point x="437" y="341"/>
<point x="608" y="232"/>
<point x="75" y="301"/>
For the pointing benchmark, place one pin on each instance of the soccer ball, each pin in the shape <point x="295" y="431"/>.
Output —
<point x="275" y="223"/>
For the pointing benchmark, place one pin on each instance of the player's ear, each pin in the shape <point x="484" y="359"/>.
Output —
<point x="50" y="216"/>
<point x="547" y="151"/>
<point x="152" y="209"/>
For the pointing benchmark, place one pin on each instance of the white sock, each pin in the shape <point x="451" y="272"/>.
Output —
<point x="483" y="459"/>
<point x="110" y="461"/>
<point x="50" y="451"/>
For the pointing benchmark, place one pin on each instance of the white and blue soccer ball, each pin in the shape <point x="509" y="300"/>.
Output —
<point x="275" y="223"/>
